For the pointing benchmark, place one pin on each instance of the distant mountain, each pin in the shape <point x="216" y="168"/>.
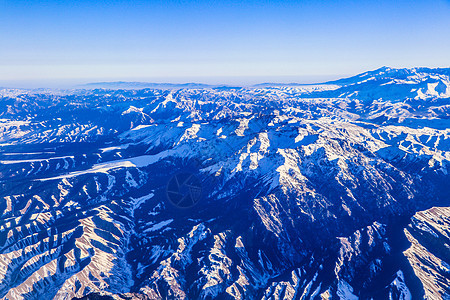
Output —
<point x="141" y="85"/>
<point x="393" y="85"/>
<point x="385" y="73"/>
<point x="329" y="191"/>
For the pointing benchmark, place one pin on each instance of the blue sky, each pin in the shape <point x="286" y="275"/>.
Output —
<point x="217" y="41"/>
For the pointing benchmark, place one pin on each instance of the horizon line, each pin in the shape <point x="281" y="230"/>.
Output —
<point x="239" y="80"/>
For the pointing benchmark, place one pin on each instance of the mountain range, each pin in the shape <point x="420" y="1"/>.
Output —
<point x="338" y="190"/>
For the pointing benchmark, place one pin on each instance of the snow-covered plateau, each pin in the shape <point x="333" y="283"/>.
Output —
<point x="338" y="190"/>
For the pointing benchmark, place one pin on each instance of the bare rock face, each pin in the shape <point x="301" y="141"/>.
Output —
<point x="429" y="234"/>
<point x="332" y="191"/>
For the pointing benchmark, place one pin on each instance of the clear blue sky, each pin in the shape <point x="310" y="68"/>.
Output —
<point x="217" y="40"/>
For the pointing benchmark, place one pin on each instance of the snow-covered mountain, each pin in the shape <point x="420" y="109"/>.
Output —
<point x="329" y="191"/>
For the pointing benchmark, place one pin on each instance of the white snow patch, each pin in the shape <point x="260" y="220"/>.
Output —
<point x="158" y="226"/>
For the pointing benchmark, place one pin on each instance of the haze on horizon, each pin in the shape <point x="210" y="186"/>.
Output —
<point x="60" y="42"/>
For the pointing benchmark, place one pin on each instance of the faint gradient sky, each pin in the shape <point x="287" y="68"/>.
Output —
<point x="217" y="41"/>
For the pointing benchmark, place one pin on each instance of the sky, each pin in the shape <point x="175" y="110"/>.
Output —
<point x="48" y="42"/>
